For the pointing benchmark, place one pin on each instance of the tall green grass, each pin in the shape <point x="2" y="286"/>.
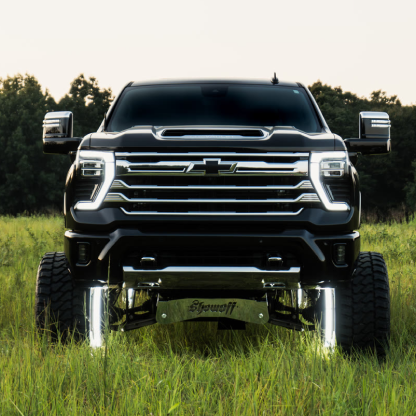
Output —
<point x="191" y="368"/>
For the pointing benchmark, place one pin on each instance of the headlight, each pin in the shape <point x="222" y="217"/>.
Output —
<point x="332" y="168"/>
<point x="328" y="165"/>
<point x="98" y="165"/>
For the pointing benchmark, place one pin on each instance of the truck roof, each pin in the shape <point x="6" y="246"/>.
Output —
<point x="214" y="81"/>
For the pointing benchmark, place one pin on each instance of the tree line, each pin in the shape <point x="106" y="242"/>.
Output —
<point x="387" y="181"/>
<point x="32" y="182"/>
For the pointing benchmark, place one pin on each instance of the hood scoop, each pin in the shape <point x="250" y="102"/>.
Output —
<point x="213" y="133"/>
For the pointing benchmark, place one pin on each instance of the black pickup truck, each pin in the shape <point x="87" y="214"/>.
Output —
<point x="227" y="201"/>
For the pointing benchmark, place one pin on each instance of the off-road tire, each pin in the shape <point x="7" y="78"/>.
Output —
<point x="363" y="307"/>
<point x="59" y="306"/>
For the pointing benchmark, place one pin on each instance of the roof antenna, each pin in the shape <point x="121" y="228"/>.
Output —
<point x="274" y="80"/>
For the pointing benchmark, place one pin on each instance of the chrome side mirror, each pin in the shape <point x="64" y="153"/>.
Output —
<point x="58" y="132"/>
<point x="58" y="124"/>
<point x="374" y="133"/>
<point x="374" y="125"/>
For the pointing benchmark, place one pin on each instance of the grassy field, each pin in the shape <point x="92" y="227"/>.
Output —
<point x="191" y="369"/>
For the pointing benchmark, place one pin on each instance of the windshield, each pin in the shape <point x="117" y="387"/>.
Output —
<point x="214" y="104"/>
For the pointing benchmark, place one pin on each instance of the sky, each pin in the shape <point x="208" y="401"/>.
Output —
<point x="362" y="46"/>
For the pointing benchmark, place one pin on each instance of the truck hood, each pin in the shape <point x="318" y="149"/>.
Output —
<point x="148" y="138"/>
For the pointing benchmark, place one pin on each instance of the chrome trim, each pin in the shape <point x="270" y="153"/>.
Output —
<point x="329" y="317"/>
<point x="225" y="270"/>
<point x="130" y="298"/>
<point x="315" y="175"/>
<point x="269" y="154"/>
<point x="147" y="259"/>
<point x="117" y="197"/>
<point x="180" y="277"/>
<point x="273" y="285"/>
<point x="374" y="124"/>
<point x="57" y="124"/>
<point x="383" y="123"/>
<point x="119" y="184"/>
<point x="158" y="131"/>
<point x="309" y="198"/>
<point x="237" y="168"/>
<point x="51" y="123"/>
<point x="275" y="259"/>
<point x="109" y="174"/>
<point x="97" y="315"/>
<point x="209" y="164"/>
<point x="147" y="285"/>
<point x="212" y="213"/>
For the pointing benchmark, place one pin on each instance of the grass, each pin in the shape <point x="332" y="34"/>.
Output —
<point x="191" y="368"/>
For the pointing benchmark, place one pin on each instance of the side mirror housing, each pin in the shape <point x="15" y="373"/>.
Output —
<point x="374" y="133"/>
<point x="58" y="133"/>
<point x="374" y="125"/>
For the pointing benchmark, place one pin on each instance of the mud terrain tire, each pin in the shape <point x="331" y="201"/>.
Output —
<point x="363" y="307"/>
<point x="59" y="306"/>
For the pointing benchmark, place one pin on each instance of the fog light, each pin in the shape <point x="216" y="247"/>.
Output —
<point x="83" y="253"/>
<point x="339" y="253"/>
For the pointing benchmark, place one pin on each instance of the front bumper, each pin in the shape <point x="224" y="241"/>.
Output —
<point x="115" y="256"/>
<point x="314" y="219"/>
<point x="211" y="277"/>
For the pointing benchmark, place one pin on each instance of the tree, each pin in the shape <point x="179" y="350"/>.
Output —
<point x="29" y="180"/>
<point x="88" y="102"/>
<point x="383" y="177"/>
<point x="26" y="174"/>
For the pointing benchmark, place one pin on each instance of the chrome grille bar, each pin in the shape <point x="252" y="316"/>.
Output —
<point x="211" y="154"/>
<point x="118" y="197"/>
<point x="235" y="168"/>
<point x="215" y="213"/>
<point x="119" y="184"/>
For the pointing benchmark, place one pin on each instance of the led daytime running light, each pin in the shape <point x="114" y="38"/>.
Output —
<point x="107" y="161"/>
<point x="315" y="174"/>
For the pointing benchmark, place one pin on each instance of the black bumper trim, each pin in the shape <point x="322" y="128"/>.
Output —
<point x="313" y="252"/>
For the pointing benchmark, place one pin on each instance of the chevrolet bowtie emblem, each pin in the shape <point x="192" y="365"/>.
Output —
<point x="212" y="167"/>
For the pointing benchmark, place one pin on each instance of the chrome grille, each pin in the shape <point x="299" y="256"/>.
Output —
<point x="204" y="183"/>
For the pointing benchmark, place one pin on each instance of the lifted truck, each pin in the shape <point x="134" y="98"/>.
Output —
<point x="226" y="201"/>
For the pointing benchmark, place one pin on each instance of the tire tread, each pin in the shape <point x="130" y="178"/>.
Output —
<point x="57" y="296"/>
<point x="363" y="306"/>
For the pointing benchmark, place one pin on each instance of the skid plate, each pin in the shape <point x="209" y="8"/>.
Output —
<point x="187" y="309"/>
